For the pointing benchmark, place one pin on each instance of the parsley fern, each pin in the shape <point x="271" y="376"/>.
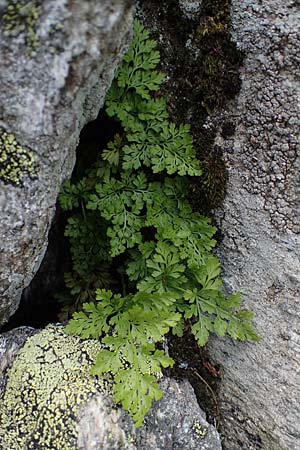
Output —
<point x="132" y="207"/>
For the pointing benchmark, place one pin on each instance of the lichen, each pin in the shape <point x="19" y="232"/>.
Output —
<point x="48" y="382"/>
<point x="20" y="17"/>
<point x="15" y="161"/>
<point x="200" y="431"/>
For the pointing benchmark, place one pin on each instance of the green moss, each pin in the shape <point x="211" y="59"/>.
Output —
<point x="211" y="78"/>
<point x="208" y="191"/>
<point x="216" y="81"/>
<point x="218" y="77"/>
<point x="15" y="161"/>
<point x="48" y="382"/>
<point x="20" y="17"/>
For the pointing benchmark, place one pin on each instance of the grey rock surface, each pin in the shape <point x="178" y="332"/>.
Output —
<point x="190" y="8"/>
<point x="10" y="344"/>
<point x="175" y="422"/>
<point x="57" y="60"/>
<point x="51" y="401"/>
<point x="260" y="222"/>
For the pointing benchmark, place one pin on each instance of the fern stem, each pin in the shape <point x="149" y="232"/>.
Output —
<point x="218" y="414"/>
<point x="83" y="209"/>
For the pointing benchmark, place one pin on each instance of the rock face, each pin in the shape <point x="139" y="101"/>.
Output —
<point x="58" y="59"/>
<point x="49" y="400"/>
<point x="260" y="222"/>
<point x="10" y="344"/>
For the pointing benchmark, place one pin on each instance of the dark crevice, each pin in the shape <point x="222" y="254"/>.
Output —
<point x="39" y="305"/>
<point x="193" y="363"/>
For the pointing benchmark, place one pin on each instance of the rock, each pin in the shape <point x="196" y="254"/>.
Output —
<point x="174" y="422"/>
<point x="51" y="401"/>
<point x="57" y="61"/>
<point x="260" y="222"/>
<point x="10" y="344"/>
<point x="48" y="382"/>
<point x="190" y="8"/>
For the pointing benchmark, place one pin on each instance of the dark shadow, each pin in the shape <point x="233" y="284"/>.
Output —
<point x="39" y="305"/>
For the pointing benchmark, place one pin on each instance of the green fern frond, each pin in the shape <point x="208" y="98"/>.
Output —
<point x="133" y="207"/>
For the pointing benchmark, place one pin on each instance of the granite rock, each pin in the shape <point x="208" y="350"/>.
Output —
<point x="57" y="60"/>
<point x="260" y="224"/>
<point x="51" y="401"/>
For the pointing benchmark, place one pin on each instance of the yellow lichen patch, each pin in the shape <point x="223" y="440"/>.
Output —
<point x="15" y="161"/>
<point x="21" y="16"/>
<point x="199" y="430"/>
<point x="48" y="382"/>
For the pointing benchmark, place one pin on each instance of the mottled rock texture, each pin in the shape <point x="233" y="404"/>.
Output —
<point x="190" y="8"/>
<point x="57" y="60"/>
<point x="260" y="222"/>
<point x="10" y="344"/>
<point x="50" y="401"/>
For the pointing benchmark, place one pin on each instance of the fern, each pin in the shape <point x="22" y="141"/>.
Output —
<point x="131" y="208"/>
<point x="132" y="325"/>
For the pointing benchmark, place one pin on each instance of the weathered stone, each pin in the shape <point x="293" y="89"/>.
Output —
<point x="57" y="60"/>
<point x="47" y="384"/>
<point x="51" y="401"/>
<point x="190" y="8"/>
<point x="174" y="422"/>
<point x="260" y="222"/>
<point x="10" y="344"/>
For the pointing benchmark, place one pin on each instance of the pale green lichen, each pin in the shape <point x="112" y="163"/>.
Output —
<point x="15" y="161"/>
<point x="22" y="16"/>
<point x="49" y="381"/>
<point x="200" y="431"/>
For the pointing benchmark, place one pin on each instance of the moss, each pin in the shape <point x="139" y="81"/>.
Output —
<point x="202" y="64"/>
<point x="48" y="382"/>
<point x="208" y="191"/>
<point x="21" y="17"/>
<point x="15" y="161"/>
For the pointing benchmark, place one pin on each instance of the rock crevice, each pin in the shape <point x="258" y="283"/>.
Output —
<point x="47" y="95"/>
